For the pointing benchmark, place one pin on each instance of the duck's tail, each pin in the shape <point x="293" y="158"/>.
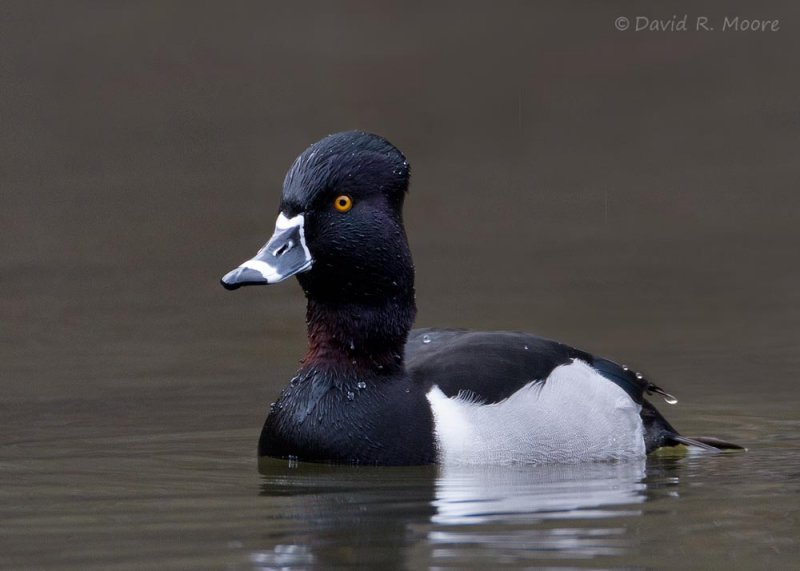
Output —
<point x="705" y="442"/>
<point x="660" y="433"/>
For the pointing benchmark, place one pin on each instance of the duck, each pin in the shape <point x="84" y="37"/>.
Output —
<point x="371" y="390"/>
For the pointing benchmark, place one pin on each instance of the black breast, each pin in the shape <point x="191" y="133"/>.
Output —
<point x="323" y="416"/>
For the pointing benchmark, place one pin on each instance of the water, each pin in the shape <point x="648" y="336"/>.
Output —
<point x="633" y="195"/>
<point x="195" y="500"/>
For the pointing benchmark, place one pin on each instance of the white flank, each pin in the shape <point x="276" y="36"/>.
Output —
<point x="577" y="415"/>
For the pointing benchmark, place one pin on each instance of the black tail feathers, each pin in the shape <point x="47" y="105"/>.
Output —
<point x="706" y="443"/>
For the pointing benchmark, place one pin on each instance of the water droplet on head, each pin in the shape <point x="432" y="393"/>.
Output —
<point x="669" y="399"/>
<point x="639" y="376"/>
<point x="426" y="339"/>
<point x="350" y="395"/>
<point x="272" y="407"/>
<point x="525" y="347"/>
<point x="361" y="385"/>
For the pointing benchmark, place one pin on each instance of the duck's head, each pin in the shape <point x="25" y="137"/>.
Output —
<point x="340" y="227"/>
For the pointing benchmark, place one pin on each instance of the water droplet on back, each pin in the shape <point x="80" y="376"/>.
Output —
<point x="350" y="395"/>
<point x="426" y="339"/>
<point x="361" y="385"/>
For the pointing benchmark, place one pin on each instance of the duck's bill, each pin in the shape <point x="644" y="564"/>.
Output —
<point x="285" y="255"/>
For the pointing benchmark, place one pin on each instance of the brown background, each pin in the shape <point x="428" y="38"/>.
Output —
<point x="631" y="193"/>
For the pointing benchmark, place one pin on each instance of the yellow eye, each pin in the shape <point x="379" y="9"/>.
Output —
<point x="343" y="203"/>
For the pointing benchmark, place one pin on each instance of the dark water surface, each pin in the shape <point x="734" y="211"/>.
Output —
<point x="634" y="194"/>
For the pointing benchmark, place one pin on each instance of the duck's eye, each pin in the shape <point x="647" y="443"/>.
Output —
<point x="343" y="203"/>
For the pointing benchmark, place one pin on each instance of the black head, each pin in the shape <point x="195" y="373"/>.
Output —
<point x="340" y="225"/>
<point x="361" y="165"/>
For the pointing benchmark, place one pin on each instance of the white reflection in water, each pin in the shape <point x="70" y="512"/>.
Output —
<point x="529" y="511"/>
<point x="282" y="557"/>
<point x="467" y="494"/>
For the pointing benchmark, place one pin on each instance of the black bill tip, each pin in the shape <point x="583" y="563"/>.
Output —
<point x="242" y="277"/>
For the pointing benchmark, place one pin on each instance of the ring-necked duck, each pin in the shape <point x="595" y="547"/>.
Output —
<point x="372" y="391"/>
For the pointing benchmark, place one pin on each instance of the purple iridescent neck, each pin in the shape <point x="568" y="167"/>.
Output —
<point x="359" y="336"/>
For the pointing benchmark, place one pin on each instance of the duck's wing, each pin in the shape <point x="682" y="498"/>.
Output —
<point x="491" y="366"/>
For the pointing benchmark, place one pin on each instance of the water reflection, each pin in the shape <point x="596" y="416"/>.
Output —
<point x="341" y="515"/>
<point x="453" y="515"/>
<point x="477" y="495"/>
<point x="529" y="512"/>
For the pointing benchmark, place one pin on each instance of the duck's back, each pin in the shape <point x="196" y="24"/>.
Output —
<point x="492" y="365"/>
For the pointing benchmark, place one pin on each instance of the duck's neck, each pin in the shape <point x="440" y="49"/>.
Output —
<point x="359" y="337"/>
